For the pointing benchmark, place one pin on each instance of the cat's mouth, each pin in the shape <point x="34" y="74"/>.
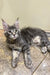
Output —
<point x="14" y="38"/>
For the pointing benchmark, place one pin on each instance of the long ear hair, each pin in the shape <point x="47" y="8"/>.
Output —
<point x="5" y="25"/>
<point x="17" y="23"/>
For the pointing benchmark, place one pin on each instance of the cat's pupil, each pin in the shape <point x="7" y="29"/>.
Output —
<point x="10" y="31"/>
<point x="16" y="30"/>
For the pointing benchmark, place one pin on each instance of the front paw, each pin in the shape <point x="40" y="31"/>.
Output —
<point x="28" y="64"/>
<point x="44" y="50"/>
<point x="14" y="63"/>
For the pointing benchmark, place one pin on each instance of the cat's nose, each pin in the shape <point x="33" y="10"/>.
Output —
<point x="14" y="34"/>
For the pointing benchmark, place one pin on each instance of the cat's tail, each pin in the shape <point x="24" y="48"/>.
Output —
<point x="48" y="46"/>
<point x="48" y="34"/>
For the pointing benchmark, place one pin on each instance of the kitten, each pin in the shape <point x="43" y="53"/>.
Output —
<point x="21" y="40"/>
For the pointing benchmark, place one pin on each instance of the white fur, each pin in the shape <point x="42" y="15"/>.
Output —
<point x="37" y="39"/>
<point x="15" y="54"/>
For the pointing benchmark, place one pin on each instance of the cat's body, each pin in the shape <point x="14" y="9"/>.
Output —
<point x="30" y="34"/>
<point x="21" y="40"/>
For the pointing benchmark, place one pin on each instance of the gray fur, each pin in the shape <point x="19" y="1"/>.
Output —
<point x="20" y="41"/>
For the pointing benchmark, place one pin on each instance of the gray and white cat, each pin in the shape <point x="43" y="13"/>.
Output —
<point x="21" y="40"/>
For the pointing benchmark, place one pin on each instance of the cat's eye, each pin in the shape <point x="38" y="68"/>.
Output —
<point x="9" y="31"/>
<point x="16" y="30"/>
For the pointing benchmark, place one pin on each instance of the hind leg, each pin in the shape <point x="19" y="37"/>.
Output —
<point x="44" y="49"/>
<point x="43" y="46"/>
<point x="41" y="42"/>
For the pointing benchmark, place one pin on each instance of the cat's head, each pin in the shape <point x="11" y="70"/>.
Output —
<point x="11" y="32"/>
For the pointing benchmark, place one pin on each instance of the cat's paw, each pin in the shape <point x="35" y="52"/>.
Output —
<point x="14" y="63"/>
<point x="28" y="64"/>
<point x="44" y="50"/>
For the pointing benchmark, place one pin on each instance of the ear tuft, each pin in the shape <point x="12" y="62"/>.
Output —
<point x="17" y="18"/>
<point x="2" y="20"/>
<point x="17" y="23"/>
<point x="5" y="25"/>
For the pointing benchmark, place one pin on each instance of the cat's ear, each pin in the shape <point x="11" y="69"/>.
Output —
<point x="5" y="25"/>
<point x="17" y="23"/>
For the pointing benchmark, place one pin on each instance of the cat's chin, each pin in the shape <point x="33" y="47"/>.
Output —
<point x="13" y="38"/>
